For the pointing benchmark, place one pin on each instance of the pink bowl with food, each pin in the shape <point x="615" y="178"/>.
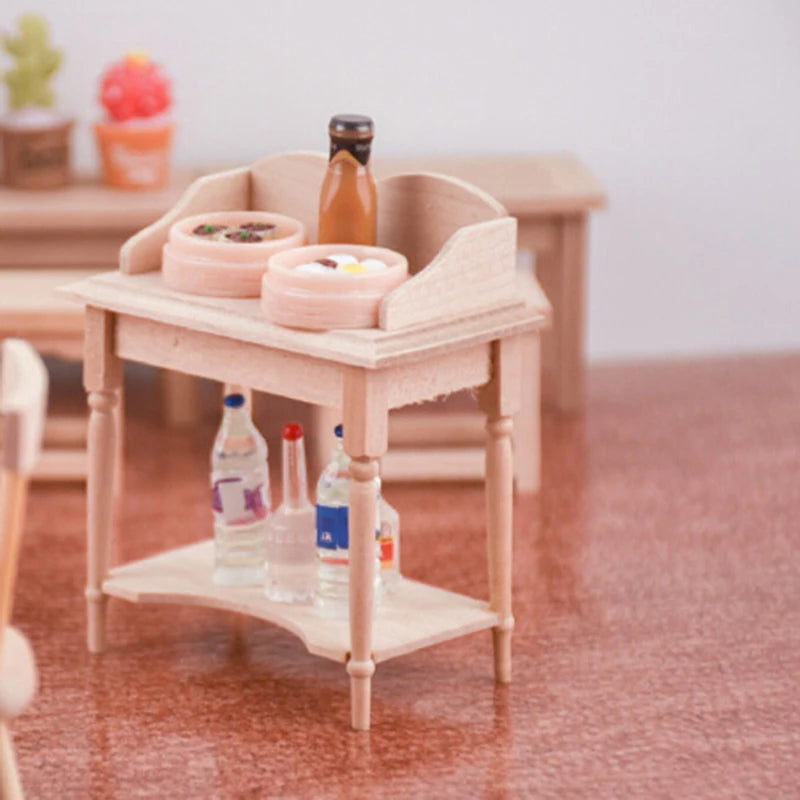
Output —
<point x="225" y="253"/>
<point x="327" y="286"/>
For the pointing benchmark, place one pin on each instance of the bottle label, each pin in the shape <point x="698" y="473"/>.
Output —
<point x="358" y="149"/>
<point x="386" y="542"/>
<point x="332" y="527"/>
<point x="238" y="502"/>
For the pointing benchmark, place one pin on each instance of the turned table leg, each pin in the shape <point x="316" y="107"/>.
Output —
<point x="365" y="422"/>
<point x="102" y="380"/>
<point x="500" y="399"/>
<point x="360" y="667"/>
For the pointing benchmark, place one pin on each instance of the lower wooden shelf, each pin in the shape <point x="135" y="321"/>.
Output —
<point x="412" y="616"/>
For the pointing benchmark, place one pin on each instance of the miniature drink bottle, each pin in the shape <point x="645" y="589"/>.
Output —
<point x="240" y="497"/>
<point x="333" y="559"/>
<point x="347" y="199"/>
<point x="291" y="553"/>
<point x="389" y="545"/>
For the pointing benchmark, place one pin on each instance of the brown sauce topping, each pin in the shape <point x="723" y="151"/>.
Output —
<point x="208" y="230"/>
<point x="327" y="262"/>
<point x="246" y="237"/>
<point x="260" y="227"/>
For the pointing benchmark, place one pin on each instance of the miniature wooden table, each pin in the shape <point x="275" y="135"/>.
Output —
<point x="135" y="317"/>
<point x="551" y="195"/>
<point x="46" y="238"/>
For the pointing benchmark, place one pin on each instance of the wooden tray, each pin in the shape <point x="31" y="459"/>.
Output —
<point x="459" y="242"/>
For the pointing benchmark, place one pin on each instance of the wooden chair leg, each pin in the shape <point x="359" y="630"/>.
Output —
<point x="10" y="786"/>
<point x="14" y="488"/>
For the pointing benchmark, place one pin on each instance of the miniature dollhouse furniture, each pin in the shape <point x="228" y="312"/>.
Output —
<point x="461" y="245"/>
<point x="23" y="394"/>
<point x="48" y="238"/>
<point x="551" y="196"/>
<point x="31" y="309"/>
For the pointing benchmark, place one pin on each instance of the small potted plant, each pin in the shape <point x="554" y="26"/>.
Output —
<point x="35" y="138"/>
<point x="134" y="139"/>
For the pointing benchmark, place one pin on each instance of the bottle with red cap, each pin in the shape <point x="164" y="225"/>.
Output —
<point x="291" y="534"/>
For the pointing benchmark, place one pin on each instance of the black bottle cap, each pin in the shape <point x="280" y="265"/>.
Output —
<point x="355" y="125"/>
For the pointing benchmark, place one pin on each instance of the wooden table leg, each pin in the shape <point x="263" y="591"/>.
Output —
<point x="180" y="399"/>
<point x="528" y="420"/>
<point x="500" y="398"/>
<point x="102" y="377"/>
<point x="365" y="440"/>
<point x="320" y="436"/>
<point x="561" y="270"/>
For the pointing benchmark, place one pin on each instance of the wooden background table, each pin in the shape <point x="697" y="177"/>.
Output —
<point x="551" y="195"/>
<point x="48" y="238"/>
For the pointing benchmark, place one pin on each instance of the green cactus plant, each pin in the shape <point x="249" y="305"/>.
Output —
<point x="36" y="63"/>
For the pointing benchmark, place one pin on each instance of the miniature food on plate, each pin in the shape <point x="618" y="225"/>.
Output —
<point x="328" y="286"/>
<point x="342" y="262"/>
<point x="202" y="254"/>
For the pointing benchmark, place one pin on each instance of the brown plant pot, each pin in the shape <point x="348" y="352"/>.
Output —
<point x="36" y="157"/>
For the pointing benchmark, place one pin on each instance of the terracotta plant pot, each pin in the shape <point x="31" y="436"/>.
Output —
<point x="134" y="157"/>
<point x="36" y="157"/>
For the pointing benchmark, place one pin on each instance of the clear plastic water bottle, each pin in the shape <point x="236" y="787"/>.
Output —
<point x="291" y="552"/>
<point x="240" y="497"/>
<point x="333" y="556"/>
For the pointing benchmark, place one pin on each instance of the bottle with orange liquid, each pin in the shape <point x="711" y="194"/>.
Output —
<point x="347" y="202"/>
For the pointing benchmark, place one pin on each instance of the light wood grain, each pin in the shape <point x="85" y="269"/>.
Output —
<point x="102" y="377"/>
<point x="473" y="272"/>
<point x="418" y="213"/>
<point x="432" y="464"/>
<point x="410" y="618"/>
<point x="10" y="786"/>
<point x="365" y="372"/>
<point x="87" y="206"/>
<point x="500" y="399"/>
<point x="23" y="398"/>
<point x="290" y="183"/>
<point x="550" y="183"/>
<point x="224" y="191"/>
<point x="146" y="297"/>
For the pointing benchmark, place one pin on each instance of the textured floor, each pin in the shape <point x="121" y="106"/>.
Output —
<point x="657" y="650"/>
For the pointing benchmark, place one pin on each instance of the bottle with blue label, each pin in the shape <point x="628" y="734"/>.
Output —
<point x="333" y="559"/>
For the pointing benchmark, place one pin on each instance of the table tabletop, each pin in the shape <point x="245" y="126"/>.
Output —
<point x="146" y="296"/>
<point x="556" y="183"/>
<point x="86" y="205"/>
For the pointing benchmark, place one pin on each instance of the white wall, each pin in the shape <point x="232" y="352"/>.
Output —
<point x="689" y="112"/>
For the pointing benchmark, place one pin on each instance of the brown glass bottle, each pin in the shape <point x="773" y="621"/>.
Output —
<point x="347" y="201"/>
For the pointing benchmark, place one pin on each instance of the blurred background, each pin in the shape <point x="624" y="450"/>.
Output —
<point x="688" y="113"/>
